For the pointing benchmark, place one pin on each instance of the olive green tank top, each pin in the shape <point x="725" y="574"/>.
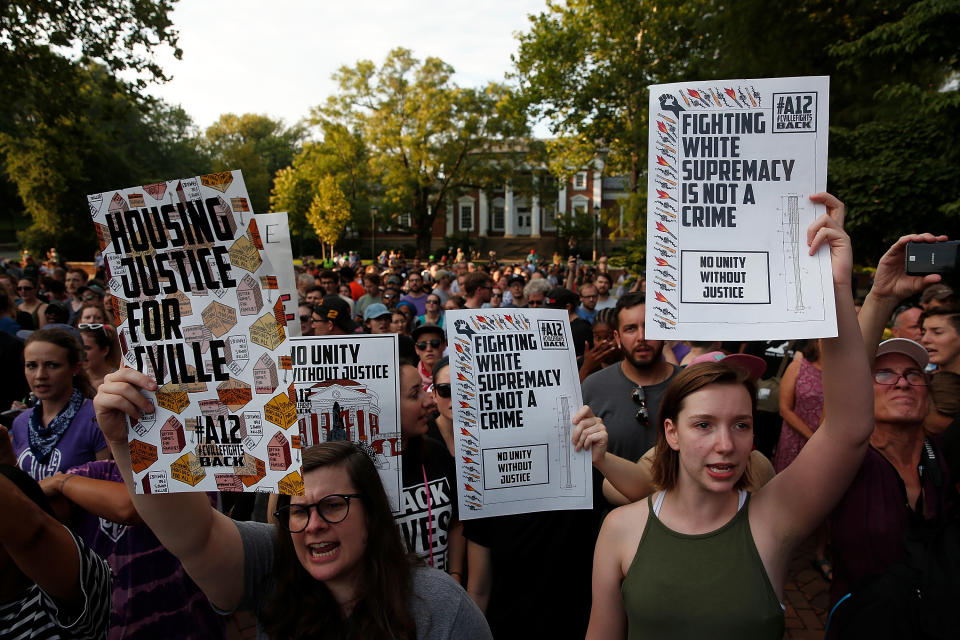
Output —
<point x="710" y="585"/>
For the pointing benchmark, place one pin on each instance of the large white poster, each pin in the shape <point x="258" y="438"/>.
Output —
<point x="202" y="303"/>
<point x="348" y="388"/>
<point x="515" y="390"/>
<point x="732" y="163"/>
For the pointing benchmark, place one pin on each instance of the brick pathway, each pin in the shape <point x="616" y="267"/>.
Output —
<point x="807" y="597"/>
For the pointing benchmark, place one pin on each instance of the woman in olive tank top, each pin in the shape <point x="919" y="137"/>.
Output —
<point x="702" y="558"/>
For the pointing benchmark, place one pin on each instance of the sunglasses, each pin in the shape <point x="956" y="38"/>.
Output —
<point x="432" y="343"/>
<point x="388" y="297"/>
<point x="20" y="288"/>
<point x="87" y="298"/>
<point x="442" y="389"/>
<point x="306" y="318"/>
<point x="535" y="303"/>
<point x="643" y="414"/>
<point x="433" y="302"/>
<point x="92" y="327"/>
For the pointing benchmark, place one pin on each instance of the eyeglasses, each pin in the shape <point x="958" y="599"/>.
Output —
<point x="442" y="389"/>
<point x="913" y="377"/>
<point x="435" y="344"/>
<point x="306" y="318"/>
<point x="332" y="509"/>
<point x="642" y="415"/>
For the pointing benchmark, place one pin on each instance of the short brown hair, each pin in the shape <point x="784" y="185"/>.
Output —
<point x="475" y="279"/>
<point x="666" y="461"/>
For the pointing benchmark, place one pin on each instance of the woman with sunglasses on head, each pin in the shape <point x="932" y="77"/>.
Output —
<point x="102" y="349"/>
<point x="30" y="303"/>
<point x="60" y="431"/>
<point x="702" y="558"/>
<point x="434" y="314"/>
<point x="92" y="313"/>
<point x="334" y="565"/>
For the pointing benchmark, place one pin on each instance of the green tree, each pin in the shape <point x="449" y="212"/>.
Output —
<point x="105" y="139"/>
<point x="257" y="145"/>
<point x="329" y="212"/>
<point x="427" y="138"/>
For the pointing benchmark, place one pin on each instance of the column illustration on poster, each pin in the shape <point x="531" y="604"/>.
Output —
<point x="515" y="389"/>
<point x="184" y="261"/>
<point x="348" y="388"/>
<point x="732" y="163"/>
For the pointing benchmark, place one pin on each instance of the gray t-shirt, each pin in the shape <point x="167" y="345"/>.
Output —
<point x="608" y="393"/>
<point x="440" y="607"/>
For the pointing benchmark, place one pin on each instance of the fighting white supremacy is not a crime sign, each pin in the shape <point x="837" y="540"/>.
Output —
<point x="732" y="166"/>
<point x="515" y="388"/>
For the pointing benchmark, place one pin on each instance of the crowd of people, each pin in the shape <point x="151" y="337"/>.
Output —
<point x="712" y="462"/>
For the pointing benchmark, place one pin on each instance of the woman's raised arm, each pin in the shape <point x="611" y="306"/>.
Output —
<point x="800" y="497"/>
<point x="206" y="541"/>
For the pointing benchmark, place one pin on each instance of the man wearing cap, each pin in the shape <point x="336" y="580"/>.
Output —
<point x="429" y="341"/>
<point x="903" y="480"/>
<point x="376" y="319"/>
<point x="332" y="318"/>
<point x="513" y="296"/>
<point x="91" y="293"/>
<point x="627" y="396"/>
<point x="561" y="298"/>
<point x="442" y="287"/>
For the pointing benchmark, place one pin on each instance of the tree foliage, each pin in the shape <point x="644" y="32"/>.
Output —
<point x="107" y="139"/>
<point x="584" y="66"/>
<point x="427" y="137"/>
<point x="329" y="211"/>
<point x="257" y="145"/>
<point x="121" y="35"/>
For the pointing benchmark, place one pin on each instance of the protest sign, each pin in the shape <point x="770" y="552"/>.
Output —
<point x="732" y="166"/>
<point x="202" y="303"/>
<point x="348" y="388"/>
<point x="515" y="390"/>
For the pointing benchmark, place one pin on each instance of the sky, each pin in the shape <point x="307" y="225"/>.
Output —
<point x="277" y="57"/>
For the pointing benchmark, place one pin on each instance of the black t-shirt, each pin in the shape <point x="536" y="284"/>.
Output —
<point x="428" y="515"/>
<point x="542" y="565"/>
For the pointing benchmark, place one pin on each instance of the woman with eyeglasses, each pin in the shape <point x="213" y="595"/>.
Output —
<point x="102" y="349"/>
<point x="60" y="431"/>
<point x="30" y="303"/>
<point x="702" y="557"/>
<point x="434" y="314"/>
<point x="334" y="566"/>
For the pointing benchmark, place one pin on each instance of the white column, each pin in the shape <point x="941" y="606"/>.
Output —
<point x="509" y="216"/>
<point x="597" y="189"/>
<point x="535" y="216"/>
<point x="451" y="210"/>
<point x="562" y="200"/>
<point x="484" y="214"/>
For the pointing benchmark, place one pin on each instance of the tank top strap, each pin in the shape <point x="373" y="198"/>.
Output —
<point x="658" y="503"/>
